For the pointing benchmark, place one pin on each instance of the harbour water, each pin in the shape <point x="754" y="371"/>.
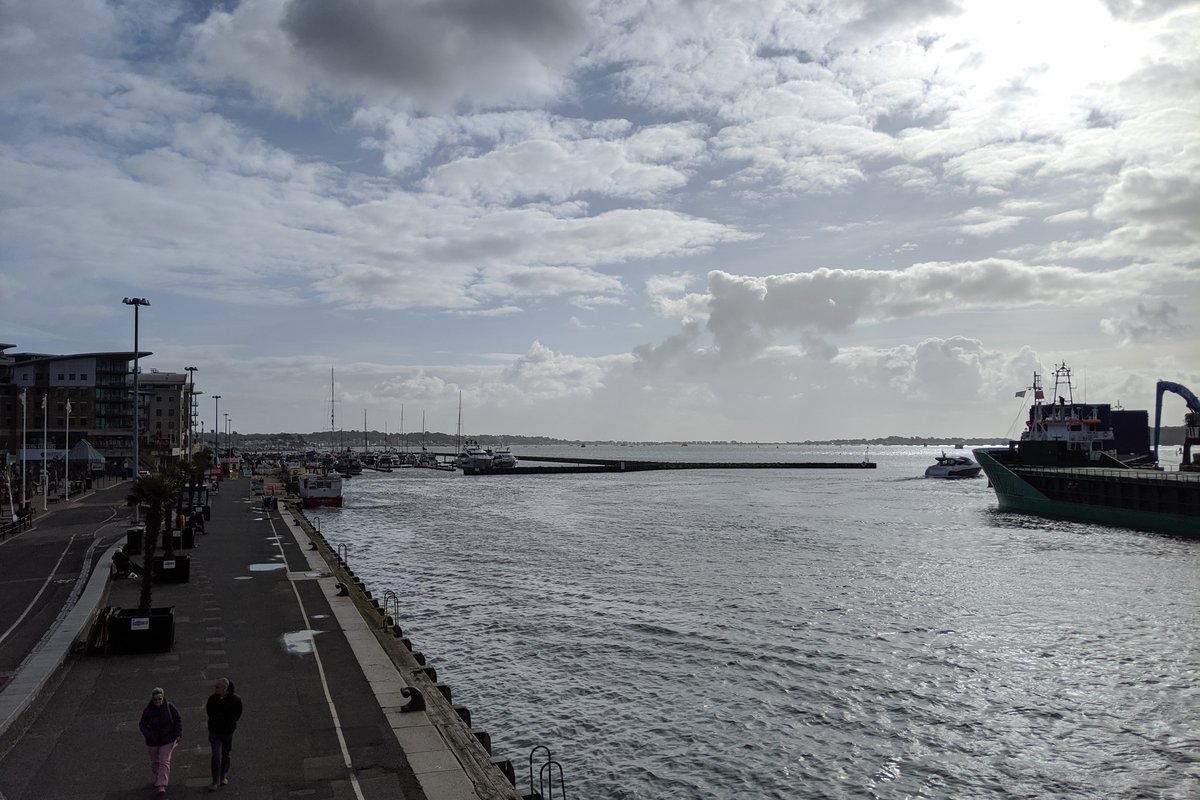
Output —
<point x="792" y="634"/>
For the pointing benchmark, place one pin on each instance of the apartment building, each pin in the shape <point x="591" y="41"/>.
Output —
<point x="98" y="388"/>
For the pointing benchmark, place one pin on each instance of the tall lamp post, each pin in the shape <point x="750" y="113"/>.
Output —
<point x="216" y="416"/>
<point x="226" y="429"/>
<point x="191" y="371"/>
<point x="137" y="303"/>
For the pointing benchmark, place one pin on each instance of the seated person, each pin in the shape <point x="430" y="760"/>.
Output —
<point x="125" y="565"/>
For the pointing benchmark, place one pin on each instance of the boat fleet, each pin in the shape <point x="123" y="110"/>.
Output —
<point x="317" y="478"/>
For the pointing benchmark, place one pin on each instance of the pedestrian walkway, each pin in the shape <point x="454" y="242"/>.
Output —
<point x="256" y="610"/>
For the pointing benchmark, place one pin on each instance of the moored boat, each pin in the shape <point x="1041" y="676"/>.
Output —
<point x="1091" y="462"/>
<point x="503" y="459"/>
<point x="319" y="489"/>
<point x="474" y="456"/>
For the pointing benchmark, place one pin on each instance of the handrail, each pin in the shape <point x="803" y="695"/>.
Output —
<point x="390" y="599"/>
<point x="545" y="787"/>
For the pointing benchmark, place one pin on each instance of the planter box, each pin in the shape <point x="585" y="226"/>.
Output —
<point x="131" y="632"/>
<point x="172" y="570"/>
<point x="185" y="539"/>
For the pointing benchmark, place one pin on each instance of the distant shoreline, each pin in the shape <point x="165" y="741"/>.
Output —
<point x="1171" y="435"/>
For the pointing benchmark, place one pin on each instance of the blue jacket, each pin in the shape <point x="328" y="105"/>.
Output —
<point x="161" y="725"/>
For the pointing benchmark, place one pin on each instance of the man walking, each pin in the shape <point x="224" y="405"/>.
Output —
<point x="224" y="709"/>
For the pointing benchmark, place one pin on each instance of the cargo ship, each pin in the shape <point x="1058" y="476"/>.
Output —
<point x="1090" y="462"/>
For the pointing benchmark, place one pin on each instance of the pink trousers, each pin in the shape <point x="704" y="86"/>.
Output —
<point x="160" y="763"/>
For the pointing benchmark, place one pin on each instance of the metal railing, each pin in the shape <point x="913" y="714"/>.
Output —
<point x="11" y="527"/>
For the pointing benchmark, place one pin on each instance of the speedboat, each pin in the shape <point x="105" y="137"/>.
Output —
<point x="953" y="467"/>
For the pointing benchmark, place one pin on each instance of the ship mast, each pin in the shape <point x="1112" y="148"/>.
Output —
<point x="1062" y="376"/>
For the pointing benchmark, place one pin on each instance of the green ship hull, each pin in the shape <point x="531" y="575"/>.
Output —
<point x="1147" y="501"/>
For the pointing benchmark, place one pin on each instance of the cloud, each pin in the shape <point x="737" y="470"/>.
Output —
<point x="429" y="55"/>
<point x="1145" y="325"/>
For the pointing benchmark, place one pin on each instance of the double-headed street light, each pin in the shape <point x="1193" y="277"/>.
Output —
<point x="216" y="416"/>
<point x="137" y="303"/>
<point x="191" y="400"/>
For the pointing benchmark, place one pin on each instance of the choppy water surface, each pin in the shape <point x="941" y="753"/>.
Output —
<point x="792" y="634"/>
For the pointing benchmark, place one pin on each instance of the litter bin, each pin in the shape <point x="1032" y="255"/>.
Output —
<point x="133" y="540"/>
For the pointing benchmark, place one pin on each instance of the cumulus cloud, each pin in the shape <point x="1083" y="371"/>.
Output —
<point x="1145" y="324"/>
<point x="744" y="309"/>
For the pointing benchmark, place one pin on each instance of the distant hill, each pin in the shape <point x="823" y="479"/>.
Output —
<point x="1172" y="436"/>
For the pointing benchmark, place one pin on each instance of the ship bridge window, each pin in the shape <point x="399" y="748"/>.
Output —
<point x="1076" y="427"/>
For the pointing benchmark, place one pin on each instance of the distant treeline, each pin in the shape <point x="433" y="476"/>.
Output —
<point x="1171" y="436"/>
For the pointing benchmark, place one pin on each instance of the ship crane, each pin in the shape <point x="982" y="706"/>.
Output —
<point x="1192" y="429"/>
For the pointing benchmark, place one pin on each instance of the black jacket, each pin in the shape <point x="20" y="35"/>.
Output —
<point x="223" y="712"/>
<point x="160" y="724"/>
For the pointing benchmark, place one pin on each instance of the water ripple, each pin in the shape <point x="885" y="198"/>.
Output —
<point x="792" y="635"/>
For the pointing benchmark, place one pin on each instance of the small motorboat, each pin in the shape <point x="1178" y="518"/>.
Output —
<point x="953" y="467"/>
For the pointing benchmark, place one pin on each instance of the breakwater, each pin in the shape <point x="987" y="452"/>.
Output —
<point x="570" y="466"/>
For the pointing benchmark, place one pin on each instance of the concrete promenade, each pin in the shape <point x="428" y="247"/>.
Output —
<point x="322" y="698"/>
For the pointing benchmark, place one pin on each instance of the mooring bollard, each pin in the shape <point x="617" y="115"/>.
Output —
<point x="416" y="700"/>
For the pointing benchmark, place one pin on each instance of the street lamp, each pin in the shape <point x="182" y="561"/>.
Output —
<point x="226" y="429"/>
<point x="216" y="416"/>
<point x="137" y="303"/>
<point x="191" y="371"/>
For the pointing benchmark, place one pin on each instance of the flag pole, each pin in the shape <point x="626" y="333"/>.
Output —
<point x="24" y="421"/>
<point x="67" y="454"/>
<point x="45" y="467"/>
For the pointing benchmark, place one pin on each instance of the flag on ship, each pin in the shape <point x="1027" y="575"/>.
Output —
<point x="1021" y="393"/>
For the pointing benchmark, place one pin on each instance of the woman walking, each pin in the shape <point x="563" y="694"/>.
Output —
<point x="162" y="728"/>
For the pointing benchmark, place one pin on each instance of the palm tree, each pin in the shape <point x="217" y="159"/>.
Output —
<point x="175" y="477"/>
<point x="158" y="493"/>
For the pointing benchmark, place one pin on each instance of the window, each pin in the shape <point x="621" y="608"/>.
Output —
<point x="158" y="412"/>
<point x="83" y="376"/>
<point x="72" y="376"/>
<point x="60" y="376"/>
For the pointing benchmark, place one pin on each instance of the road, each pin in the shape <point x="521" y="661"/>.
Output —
<point x="40" y="568"/>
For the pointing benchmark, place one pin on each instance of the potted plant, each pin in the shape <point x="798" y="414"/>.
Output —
<point x="148" y="629"/>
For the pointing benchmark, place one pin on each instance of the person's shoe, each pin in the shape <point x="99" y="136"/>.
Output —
<point x="162" y="790"/>
<point x="214" y="787"/>
<point x="224" y="781"/>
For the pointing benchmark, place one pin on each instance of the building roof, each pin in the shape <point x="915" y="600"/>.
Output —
<point x="23" y="359"/>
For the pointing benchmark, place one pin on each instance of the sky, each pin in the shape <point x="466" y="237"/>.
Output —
<point x="610" y="219"/>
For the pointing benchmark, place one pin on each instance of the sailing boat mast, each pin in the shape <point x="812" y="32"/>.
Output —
<point x="364" y="431"/>
<point x="458" y="436"/>
<point x="332" y="429"/>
